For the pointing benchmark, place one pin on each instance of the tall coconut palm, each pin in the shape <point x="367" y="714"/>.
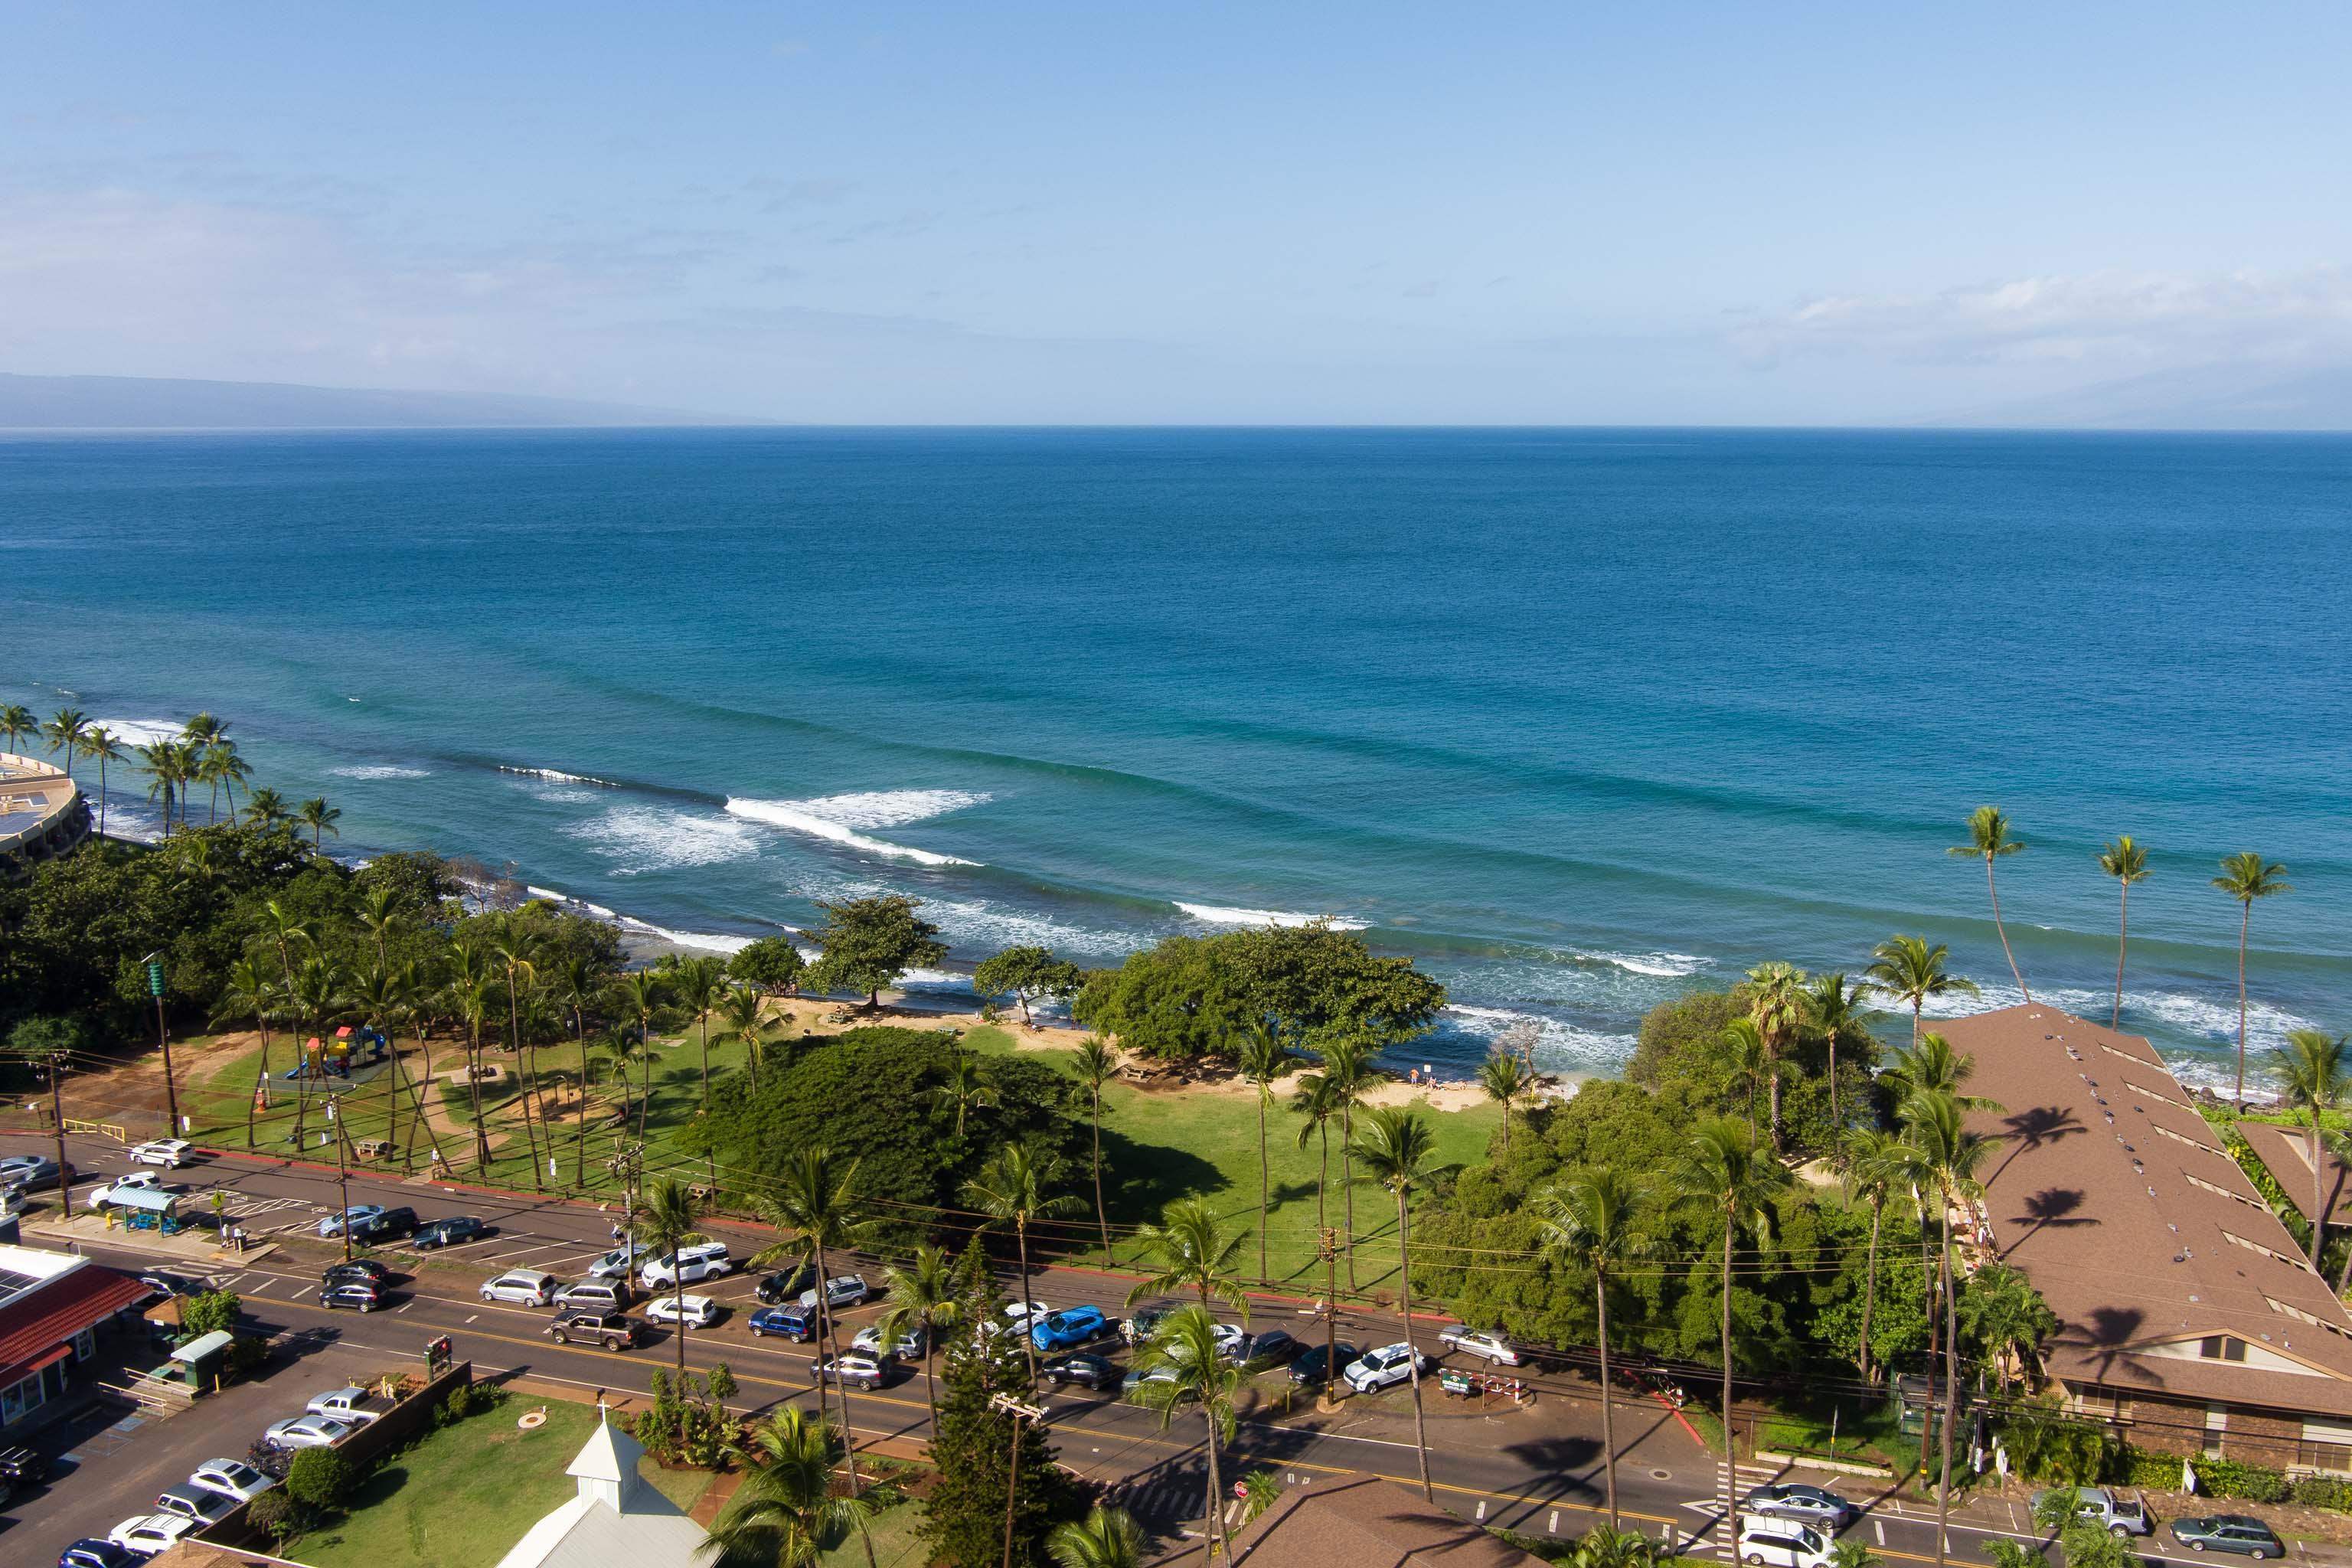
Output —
<point x="476" y="1000"/>
<point x="166" y="770"/>
<point x="743" y="1010"/>
<point x="701" y="981"/>
<point x="2246" y="876"/>
<point x="318" y="994"/>
<point x="17" y="722"/>
<point x="641" y="994"/>
<point x="1989" y="841"/>
<point x="381" y="916"/>
<point x="1092" y="1064"/>
<point x="1190" y="1251"/>
<point x="1776" y="1001"/>
<point x="1833" y="1011"/>
<point x="321" y="818"/>
<point x="103" y="746"/>
<point x="669" y="1217"/>
<point x="514" y="949"/>
<point x="1012" y="1188"/>
<point x="1932" y="1067"/>
<point x="1505" y="1080"/>
<point x="250" y="994"/>
<point x="2126" y="862"/>
<point x="2005" y="1321"/>
<point x="578" y="987"/>
<point x="816" y="1199"/>
<point x="1935" y="1124"/>
<point x="1398" y="1150"/>
<point x="1264" y="1059"/>
<point x="1106" y="1538"/>
<point x="1875" y="1167"/>
<point x="1597" y="1222"/>
<point x="265" y="809"/>
<point x="1347" y="1075"/>
<point x="64" y="732"/>
<point x="1749" y="1063"/>
<point x="1316" y="1104"/>
<point x="1908" y="970"/>
<point x="2318" y="1081"/>
<point x="1724" y="1177"/>
<point x="923" y="1296"/>
<point x="783" y="1513"/>
<point x="1185" y="1346"/>
<point x="203" y="729"/>
<point x="963" y="1084"/>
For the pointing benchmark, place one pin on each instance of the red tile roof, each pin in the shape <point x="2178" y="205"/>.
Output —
<point x="57" y="1309"/>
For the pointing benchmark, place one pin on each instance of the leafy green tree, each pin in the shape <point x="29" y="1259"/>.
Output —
<point x="1989" y="840"/>
<point x="1094" y="1064"/>
<point x="220" y="769"/>
<point x="263" y="807"/>
<point x="1725" y="1176"/>
<point x="974" y="1441"/>
<point x="1174" y="1001"/>
<point x="2126" y="862"/>
<point x="783" y="1513"/>
<point x="209" y="1313"/>
<point x="1023" y="972"/>
<point x="1106" y="1538"/>
<point x="2246" y="876"/>
<point x="323" y="1477"/>
<point x="1908" y="970"/>
<point x="869" y="944"/>
<point x="1596" y="1221"/>
<point x="1014" y="1188"/>
<point x="1185" y="1347"/>
<point x="772" y="963"/>
<point x="641" y="994"/>
<point x="1398" y="1150"/>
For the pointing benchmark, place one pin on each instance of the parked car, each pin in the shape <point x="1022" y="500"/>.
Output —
<point x="793" y="1322"/>
<point x="1815" y="1506"/>
<point x="355" y="1296"/>
<point x="450" y="1232"/>
<point x="856" y="1368"/>
<point x="305" y="1432"/>
<point x="1275" y="1347"/>
<point x="358" y="1271"/>
<point x="786" y="1284"/>
<point x="909" y="1346"/>
<point x="231" y="1478"/>
<point x="1084" y="1369"/>
<point x="197" y="1504"/>
<point x="357" y="1215"/>
<point x="354" y="1406"/>
<point x="1139" y="1327"/>
<point x="169" y="1152"/>
<point x="1384" y="1368"/>
<point x="2118" y="1516"/>
<point x="1483" y="1342"/>
<point x="149" y="1533"/>
<point x="614" y="1331"/>
<point x="1311" y="1371"/>
<point x="33" y="1173"/>
<point x="1068" y="1329"/>
<point x="21" y="1466"/>
<point x="528" y="1287"/>
<point x="91" y="1552"/>
<point x="840" y="1291"/>
<point x="110" y="1192"/>
<point x="596" y="1295"/>
<point x="388" y="1224"/>
<point x="1781" y="1543"/>
<point x="699" y="1311"/>
<point x="1025" y="1311"/>
<point x="164" y="1283"/>
<point x="619" y="1263"/>
<point x="705" y="1260"/>
<point x="1137" y="1377"/>
<point x="2229" y="1532"/>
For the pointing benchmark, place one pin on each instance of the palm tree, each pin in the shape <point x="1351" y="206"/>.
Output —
<point x="2318" y="1083"/>
<point x="577" y="988"/>
<point x="199" y="735"/>
<point x="2005" y="1319"/>
<point x="1951" y="1155"/>
<point x="2126" y="862"/>
<point x="102" y="743"/>
<point x="1723" y="1176"/>
<point x="783" y="1513"/>
<point x="203" y="729"/>
<point x="701" y="983"/>
<point x="1313" y="1100"/>
<point x="1094" y="1063"/>
<point x="64" y="731"/>
<point x="1750" y="1062"/>
<point x="1595" y="1221"/>
<point x="1876" y="1166"/>
<point x="669" y="1217"/>
<point x="249" y="993"/>
<point x="17" y="722"/>
<point x="475" y="996"/>
<point x="321" y="818"/>
<point x="318" y="994"/>
<point x="1106" y="1538"/>
<point x="1777" y="1004"/>
<point x="1989" y="839"/>
<point x="641" y="998"/>
<point x="513" y="948"/>
<point x="165" y="768"/>
<point x="1909" y="970"/>
<point x="380" y="916"/>
<point x="1504" y="1077"/>
<point x="220" y="768"/>
<point x="1348" y="1073"/>
<point x="1185" y="1343"/>
<point x="1833" y="1011"/>
<point x="1192" y="1252"/>
<point x="1399" y="1151"/>
<point x="816" y="1198"/>
<point x="265" y="809"/>
<point x="922" y="1295"/>
<point x="2246" y="876"/>
<point x="1011" y="1186"/>
<point x="1263" y="1059"/>
<point x="741" y="1008"/>
<point x="963" y="1086"/>
<point x="1932" y="1067"/>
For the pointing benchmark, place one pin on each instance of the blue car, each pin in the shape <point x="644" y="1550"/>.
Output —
<point x="793" y="1322"/>
<point x="1069" y="1328"/>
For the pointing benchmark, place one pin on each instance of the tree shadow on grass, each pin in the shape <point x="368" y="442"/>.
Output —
<point x="1141" y="1180"/>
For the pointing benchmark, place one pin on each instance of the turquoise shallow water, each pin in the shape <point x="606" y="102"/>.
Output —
<point x="1576" y="719"/>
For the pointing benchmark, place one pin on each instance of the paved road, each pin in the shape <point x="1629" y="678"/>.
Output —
<point x="1535" y="1469"/>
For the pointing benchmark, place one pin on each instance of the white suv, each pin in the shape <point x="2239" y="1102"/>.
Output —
<point x="528" y="1287"/>
<point x="1384" y="1367"/>
<point x="171" y="1151"/>
<point x="704" y="1261"/>
<point x="1781" y="1543"/>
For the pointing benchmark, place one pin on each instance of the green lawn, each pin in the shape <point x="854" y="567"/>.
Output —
<point x="892" y="1532"/>
<point x="466" y="1493"/>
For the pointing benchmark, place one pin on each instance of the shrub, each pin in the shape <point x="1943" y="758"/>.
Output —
<point x="2141" y="1468"/>
<point x="2229" y="1478"/>
<point x="279" y="1515"/>
<point x="468" y="1399"/>
<point x="321" y="1477"/>
<point x="2320" y="1491"/>
<point x="208" y="1312"/>
<point x="246" y="1353"/>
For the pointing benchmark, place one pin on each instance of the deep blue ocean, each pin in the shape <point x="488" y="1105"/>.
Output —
<point x="1575" y="718"/>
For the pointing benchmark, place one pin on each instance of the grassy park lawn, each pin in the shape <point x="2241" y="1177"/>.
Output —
<point x="466" y="1493"/>
<point x="892" y="1532"/>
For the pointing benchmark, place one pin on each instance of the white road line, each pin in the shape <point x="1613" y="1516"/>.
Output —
<point x="1880" y="1526"/>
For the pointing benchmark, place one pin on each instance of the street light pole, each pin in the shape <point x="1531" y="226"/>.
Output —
<point x="155" y="962"/>
<point x="1010" y="1406"/>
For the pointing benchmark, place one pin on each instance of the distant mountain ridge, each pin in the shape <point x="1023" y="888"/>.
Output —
<point x="2205" y="397"/>
<point x="137" y="403"/>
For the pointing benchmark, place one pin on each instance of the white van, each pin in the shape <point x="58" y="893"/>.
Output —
<point x="1781" y="1543"/>
<point x="704" y="1261"/>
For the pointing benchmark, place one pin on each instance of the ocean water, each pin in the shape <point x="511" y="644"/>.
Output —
<point x="1575" y="718"/>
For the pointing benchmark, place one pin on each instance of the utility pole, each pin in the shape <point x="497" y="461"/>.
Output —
<point x="627" y="1165"/>
<point x="1327" y="1244"/>
<point x="1010" y="1406"/>
<point x="58" y="1121"/>
<point x="343" y="1175"/>
<point x="155" y="962"/>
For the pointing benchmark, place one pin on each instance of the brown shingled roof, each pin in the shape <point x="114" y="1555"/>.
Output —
<point x="2284" y="1150"/>
<point x="2136" y="1226"/>
<point x="1365" y="1521"/>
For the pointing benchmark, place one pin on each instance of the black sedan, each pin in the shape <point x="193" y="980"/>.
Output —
<point x="355" y="1296"/>
<point x="786" y="1285"/>
<point x="1085" y="1370"/>
<point x="451" y="1232"/>
<point x="1311" y="1370"/>
<point x="358" y="1271"/>
<point x="1273" y="1348"/>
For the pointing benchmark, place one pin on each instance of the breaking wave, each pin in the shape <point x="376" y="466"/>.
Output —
<point x="836" y="819"/>
<point x="641" y="839"/>
<point x="1219" y="915"/>
<point x="379" y="770"/>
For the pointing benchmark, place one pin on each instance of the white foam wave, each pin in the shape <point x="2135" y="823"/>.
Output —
<point x="564" y="796"/>
<point x="796" y="816"/>
<point x="1657" y="966"/>
<point x="708" y="941"/>
<point x="556" y="776"/>
<point x="640" y="838"/>
<point x="889" y="807"/>
<point x="379" y="770"/>
<point x="1219" y="915"/>
<point x="553" y="896"/>
<point x="1559" y="1043"/>
<point x="2213" y="1018"/>
<point x="139" y="731"/>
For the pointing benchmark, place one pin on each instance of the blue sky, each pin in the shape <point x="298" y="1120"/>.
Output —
<point x="1197" y="213"/>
